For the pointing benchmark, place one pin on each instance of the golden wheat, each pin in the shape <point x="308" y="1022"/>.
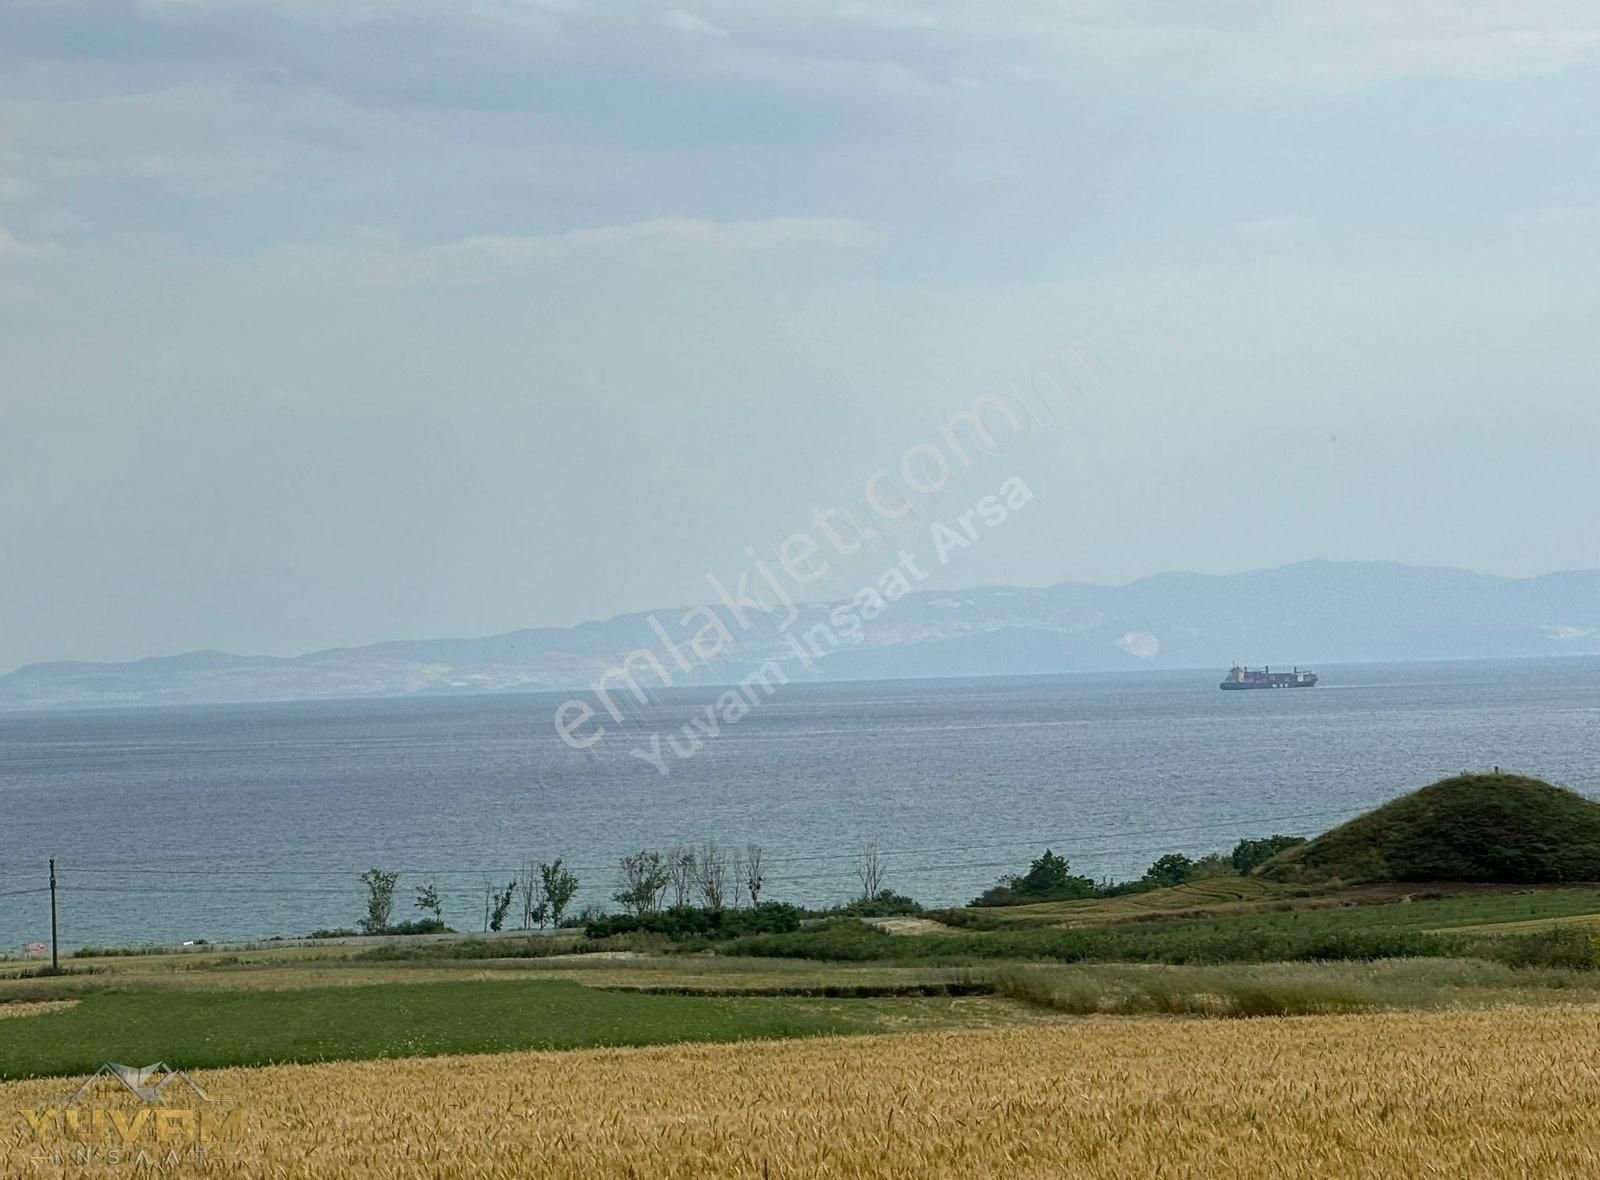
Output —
<point x="1509" y="1092"/>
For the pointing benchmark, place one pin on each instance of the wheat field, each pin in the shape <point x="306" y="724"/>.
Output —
<point x="1507" y="1092"/>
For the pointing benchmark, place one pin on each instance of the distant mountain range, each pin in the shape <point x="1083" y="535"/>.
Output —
<point x="1312" y="612"/>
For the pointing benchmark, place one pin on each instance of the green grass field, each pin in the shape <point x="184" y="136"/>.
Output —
<point x="205" y="1029"/>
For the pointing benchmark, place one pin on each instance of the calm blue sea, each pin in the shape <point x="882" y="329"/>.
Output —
<point x="248" y="821"/>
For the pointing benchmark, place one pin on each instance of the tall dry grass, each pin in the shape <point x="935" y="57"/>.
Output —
<point x="1508" y="1092"/>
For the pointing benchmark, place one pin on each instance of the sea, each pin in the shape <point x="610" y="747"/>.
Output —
<point x="241" y="822"/>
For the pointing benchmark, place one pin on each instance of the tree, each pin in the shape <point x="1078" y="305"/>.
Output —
<point x="1249" y="854"/>
<point x="755" y="876"/>
<point x="502" y="905"/>
<point x="711" y="874"/>
<point x="1046" y="876"/>
<point x="530" y="889"/>
<point x="380" y="900"/>
<point x="870" y="870"/>
<point x="428" y="900"/>
<point x="681" y="869"/>
<point x="1172" y="869"/>
<point x="644" y="880"/>
<point x="1049" y="878"/>
<point x="1212" y="864"/>
<point x="559" y="888"/>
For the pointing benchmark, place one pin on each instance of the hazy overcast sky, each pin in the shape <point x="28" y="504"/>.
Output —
<point x="322" y="323"/>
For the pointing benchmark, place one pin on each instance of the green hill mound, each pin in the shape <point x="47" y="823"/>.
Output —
<point x="1474" y="827"/>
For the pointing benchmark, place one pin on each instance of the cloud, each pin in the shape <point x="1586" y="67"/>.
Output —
<point x="1355" y="42"/>
<point x="490" y="258"/>
<point x="1366" y="42"/>
<point x="482" y="53"/>
<point x="12" y="247"/>
<point x="687" y="22"/>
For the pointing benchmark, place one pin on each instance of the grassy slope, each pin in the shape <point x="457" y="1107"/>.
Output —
<point x="1215" y="894"/>
<point x="197" y="1029"/>
<point x="1474" y="827"/>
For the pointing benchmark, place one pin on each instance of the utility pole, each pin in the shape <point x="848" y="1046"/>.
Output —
<point x="55" y="954"/>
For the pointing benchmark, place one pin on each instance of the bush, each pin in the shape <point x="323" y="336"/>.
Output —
<point x="838" y="939"/>
<point x="419" y="926"/>
<point x="588" y="914"/>
<point x="885" y="904"/>
<point x="108" y="952"/>
<point x="1048" y="879"/>
<point x="1213" y="864"/>
<point x="1172" y="869"/>
<point x="1247" y="854"/>
<point x="531" y="947"/>
<point x="1560" y="947"/>
<point x="680" y="923"/>
<point x="962" y="918"/>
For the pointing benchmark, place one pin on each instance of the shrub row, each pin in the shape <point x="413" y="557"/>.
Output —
<point x="1177" y="944"/>
<point x="680" y="923"/>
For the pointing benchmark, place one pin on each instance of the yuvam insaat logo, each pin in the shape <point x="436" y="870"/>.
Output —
<point x="145" y="1083"/>
<point x="90" y="1118"/>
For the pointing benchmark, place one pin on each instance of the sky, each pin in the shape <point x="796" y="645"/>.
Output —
<point x="322" y="324"/>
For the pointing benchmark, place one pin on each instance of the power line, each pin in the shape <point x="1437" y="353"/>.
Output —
<point x="773" y="878"/>
<point x="1034" y="839"/>
<point x="1022" y="837"/>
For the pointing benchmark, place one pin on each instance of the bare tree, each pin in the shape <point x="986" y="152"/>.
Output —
<point x="644" y="880"/>
<point x="754" y="876"/>
<point x="429" y="902"/>
<point x="681" y="870"/>
<point x="502" y="905"/>
<point x="535" y="902"/>
<point x="870" y="870"/>
<point x="527" y="888"/>
<point x="711" y="874"/>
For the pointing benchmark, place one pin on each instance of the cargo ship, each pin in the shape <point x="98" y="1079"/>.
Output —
<point x="1241" y="678"/>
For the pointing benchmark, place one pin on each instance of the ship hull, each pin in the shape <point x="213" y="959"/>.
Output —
<point x="1233" y="686"/>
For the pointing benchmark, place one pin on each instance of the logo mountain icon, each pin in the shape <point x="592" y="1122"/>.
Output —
<point x="145" y="1082"/>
